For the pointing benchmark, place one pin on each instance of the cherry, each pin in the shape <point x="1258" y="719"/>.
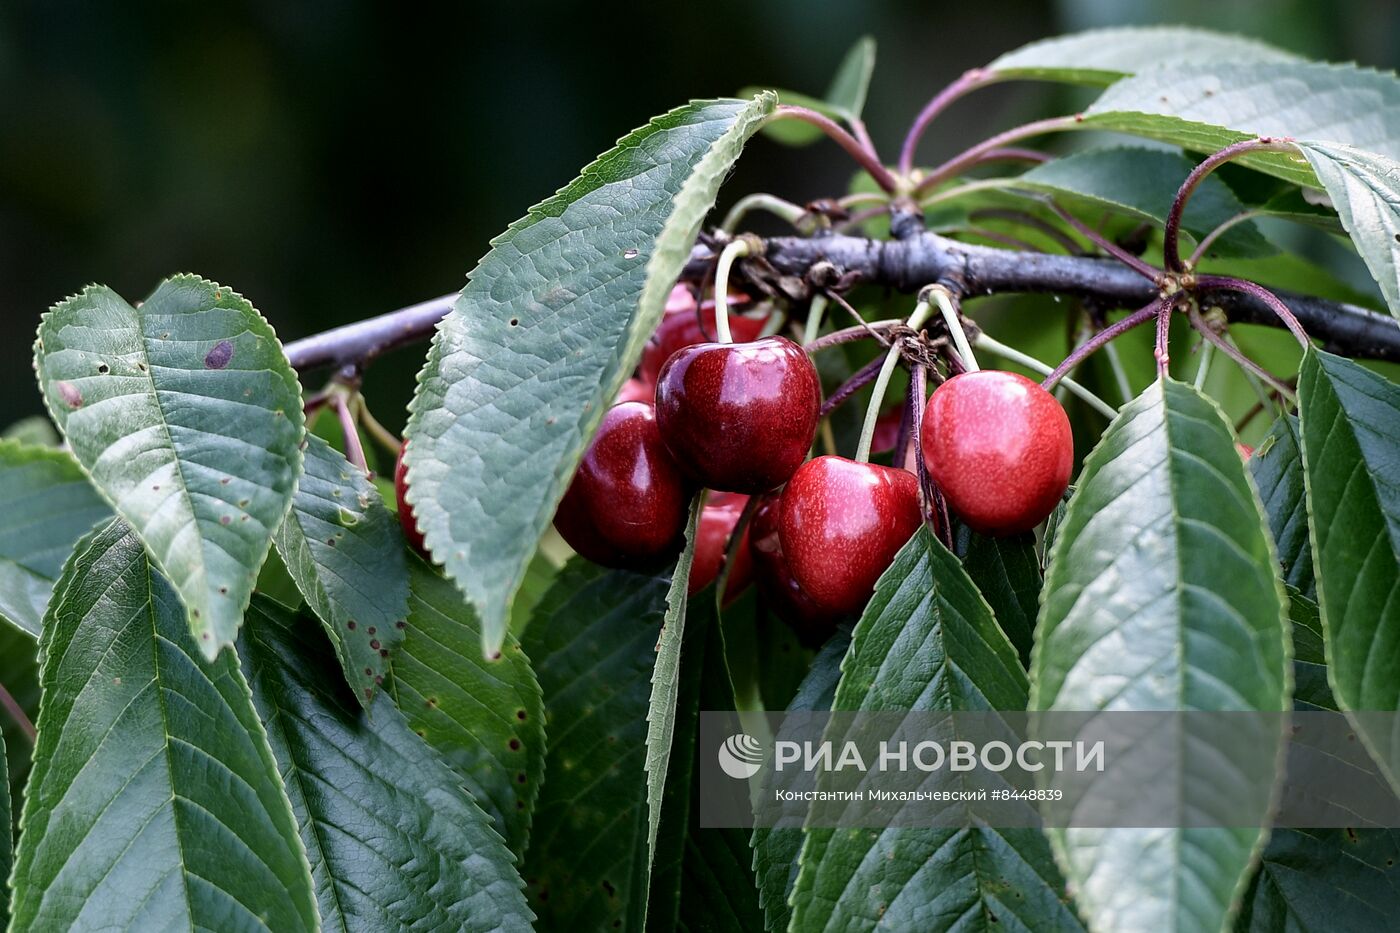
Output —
<point x="842" y="524"/>
<point x="739" y="417"/>
<point x="628" y="503"/>
<point x="886" y="436"/>
<point x="717" y="522"/>
<point x="680" y="327"/>
<point x="780" y="592"/>
<point x="406" y="519"/>
<point x="1000" y="448"/>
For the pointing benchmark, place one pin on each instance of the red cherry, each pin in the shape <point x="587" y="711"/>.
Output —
<point x="739" y="417"/>
<point x="680" y="327"/>
<point x="627" y="504"/>
<point x="1000" y="448"/>
<point x="842" y="524"/>
<point x="886" y="434"/>
<point x="717" y="521"/>
<point x="780" y="592"/>
<point x="406" y="519"/>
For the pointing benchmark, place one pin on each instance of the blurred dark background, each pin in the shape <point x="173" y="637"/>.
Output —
<point x="335" y="160"/>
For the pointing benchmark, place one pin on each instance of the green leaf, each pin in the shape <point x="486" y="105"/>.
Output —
<point x="593" y="641"/>
<point x="345" y="552"/>
<point x="7" y="854"/>
<point x="155" y="802"/>
<point x="1006" y="572"/>
<point x="550" y="324"/>
<point x="1325" y="879"/>
<point x="1277" y="468"/>
<point x="1310" y="689"/>
<point x="1208" y="108"/>
<point x="394" y="840"/>
<point x="927" y="641"/>
<point x="1143" y="183"/>
<point x="188" y="418"/>
<point x="46" y="505"/>
<point x="485" y="716"/>
<point x="775" y="850"/>
<point x="665" y="682"/>
<point x="1351" y="464"/>
<point x="36" y="430"/>
<point x="844" y="100"/>
<point x="1102" y="56"/>
<point x="1365" y="189"/>
<point x="1162" y="594"/>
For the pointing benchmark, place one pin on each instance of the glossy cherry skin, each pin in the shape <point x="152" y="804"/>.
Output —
<point x="1000" y="448"/>
<point x="411" y="534"/>
<point x="628" y="503"/>
<point x="717" y="521"/>
<point x="779" y="591"/>
<point x="681" y="327"/>
<point x="739" y="417"/>
<point x="843" y="522"/>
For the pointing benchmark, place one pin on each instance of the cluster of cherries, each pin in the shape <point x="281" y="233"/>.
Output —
<point x="739" y="419"/>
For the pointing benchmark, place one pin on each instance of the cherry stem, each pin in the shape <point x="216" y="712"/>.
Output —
<point x="935" y="510"/>
<point x="1254" y="290"/>
<point x="778" y="207"/>
<point x="967" y="82"/>
<point x="354" y="450"/>
<point x="864" y="155"/>
<point x="1161" y="350"/>
<point x="731" y="252"/>
<point x="815" y="311"/>
<point x="1031" y="363"/>
<point x="871" y="331"/>
<point x="1171" y="250"/>
<point x="1078" y="354"/>
<point x="381" y="435"/>
<point x="11" y="706"/>
<point x="882" y="381"/>
<point x="1209" y="239"/>
<point x="851" y="386"/>
<point x="1203" y="368"/>
<point x="1233" y="352"/>
<point x="944" y="299"/>
<point x="1107" y="245"/>
<point x="975" y="154"/>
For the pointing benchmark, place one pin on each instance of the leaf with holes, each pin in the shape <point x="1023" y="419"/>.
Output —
<point x="775" y="849"/>
<point x="550" y="324"/>
<point x="345" y="552"/>
<point x="485" y="716"/>
<point x="154" y="802"/>
<point x="593" y="642"/>
<point x="188" y="418"/>
<point x="1164" y="549"/>
<point x="394" y="840"/>
<point x="1142" y="183"/>
<point x="1102" y="56"/>
<point x="46" y="505"/>
<point x="1351" y="464"/>
<point x="927" y="641"/>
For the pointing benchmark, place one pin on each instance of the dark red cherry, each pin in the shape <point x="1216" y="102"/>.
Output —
<point x="410" y="526"/>
<point x="681" y="327"/>
<point x="886" y="435"/>
<point x="739" y="417"/>
<point x="718" y="518"/>
<point x="627" y="504"/>
<point x="776" y="586"/>
<point x="843" y="522"/>
<point x="1000" y="448"/>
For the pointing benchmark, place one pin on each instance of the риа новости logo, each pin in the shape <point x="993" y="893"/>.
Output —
<point x="740" y="756"/>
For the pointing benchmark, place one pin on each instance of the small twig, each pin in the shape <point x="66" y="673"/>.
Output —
<point x="16" y="712"/>
<point x="354" y="450"/>
<point x="863" y="377"/>
<point x="1171" y="249"/>
<point x="967" y="82"/>
<point x="973" y="155"/>
<point x="1234" y="353"/>
<point x="1263" y="294"/>
<point x="866" y="158"/>
<point x="871" y="331"/>
<point x="1140" y="316"/>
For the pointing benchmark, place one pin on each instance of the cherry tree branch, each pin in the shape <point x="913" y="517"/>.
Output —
<point x="908" y="265"/>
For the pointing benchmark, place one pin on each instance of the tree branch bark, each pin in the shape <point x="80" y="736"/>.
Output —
<point x="908" y="265"/>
